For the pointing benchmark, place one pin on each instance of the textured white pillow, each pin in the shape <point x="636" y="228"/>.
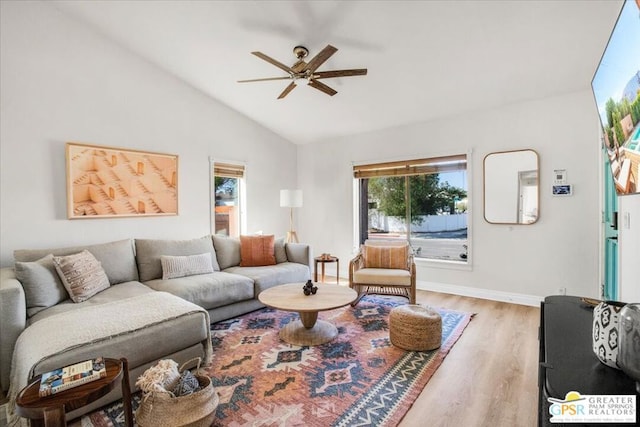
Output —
<point x="82" y="275"/>
<point x="181" y="266"/>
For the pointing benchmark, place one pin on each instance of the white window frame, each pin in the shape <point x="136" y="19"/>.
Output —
<point x="241" y="194"/>
<point x="431" y="263"/>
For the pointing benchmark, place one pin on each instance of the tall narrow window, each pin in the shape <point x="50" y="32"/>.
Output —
<point x="226" y="189"/>
<point x="423" y="201"/>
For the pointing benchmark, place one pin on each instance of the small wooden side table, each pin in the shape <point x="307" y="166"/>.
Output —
<point x="50" y="411"/>
<point x="323" y="261"/>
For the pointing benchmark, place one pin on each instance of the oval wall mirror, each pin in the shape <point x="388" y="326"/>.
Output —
<point x="511" y="187"/>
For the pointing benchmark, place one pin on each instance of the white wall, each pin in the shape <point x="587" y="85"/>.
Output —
<point x="629" y="246"/>
<point x="558" y="251"/>
<point x="62" y="82"/>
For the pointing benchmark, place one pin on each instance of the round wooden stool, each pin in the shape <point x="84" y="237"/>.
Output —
<point x="415" y="328"/>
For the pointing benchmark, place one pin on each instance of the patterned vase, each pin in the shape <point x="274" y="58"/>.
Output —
<point x="629" y="352"/>
<point x="606" y="317"/>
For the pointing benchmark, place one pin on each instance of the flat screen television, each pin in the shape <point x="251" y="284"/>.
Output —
<point x="616" y="88"/>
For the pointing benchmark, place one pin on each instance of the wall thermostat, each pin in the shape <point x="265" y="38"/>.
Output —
<point x="559" y="177"/>
<point x="562" y="190"/>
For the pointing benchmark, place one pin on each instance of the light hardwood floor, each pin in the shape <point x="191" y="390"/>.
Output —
<point x="490" y="376"/>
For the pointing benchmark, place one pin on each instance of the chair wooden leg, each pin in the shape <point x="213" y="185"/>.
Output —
<point x="360" y="292"/>
<point x="353" y="304"/>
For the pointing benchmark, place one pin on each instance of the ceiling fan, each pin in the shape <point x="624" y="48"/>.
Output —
<point x="306" y="72"/>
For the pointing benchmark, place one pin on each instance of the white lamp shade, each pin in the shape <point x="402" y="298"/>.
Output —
<point x="291" y="198"/>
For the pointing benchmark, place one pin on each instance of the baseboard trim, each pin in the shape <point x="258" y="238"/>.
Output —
<point x="522" y="299"/>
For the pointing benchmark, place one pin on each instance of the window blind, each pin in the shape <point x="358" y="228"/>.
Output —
<point x="228" y="170"/>
<point x="412" y="167"/>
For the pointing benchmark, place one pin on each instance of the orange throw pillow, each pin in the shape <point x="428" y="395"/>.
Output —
<point x="386" y="256"/>
<point x="256" y="251"/>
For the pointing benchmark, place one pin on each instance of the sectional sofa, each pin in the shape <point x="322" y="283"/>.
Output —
<point x="156" y="300"/>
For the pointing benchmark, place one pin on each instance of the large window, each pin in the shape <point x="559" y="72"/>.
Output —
<point x="423" y="201"/>
<point x="227" y="186"/>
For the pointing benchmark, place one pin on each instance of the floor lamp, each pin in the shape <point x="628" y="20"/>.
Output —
<point x="291" y="199"/>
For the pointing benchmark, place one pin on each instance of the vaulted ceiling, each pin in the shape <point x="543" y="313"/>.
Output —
<point x="425" y="59"/>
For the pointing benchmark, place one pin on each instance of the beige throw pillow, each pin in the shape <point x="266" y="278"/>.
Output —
<point x="181" y="266"/>
<point x="81" y="274"/>
<point x="386" y="256"/>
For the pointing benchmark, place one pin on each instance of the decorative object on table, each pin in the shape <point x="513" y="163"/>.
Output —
<point x="291" y="199"/>
<point x="309" y="289"/>
<point x="71" y="376"/>
<point x="415" y="328"/>
<point x="104" y="182"/>
<point x="160" y="406"/>
<point x="629" y="341"/>
<point x="606" y="330"/>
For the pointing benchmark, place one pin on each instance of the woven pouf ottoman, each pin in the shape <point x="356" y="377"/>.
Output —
<point x="414" y="327"/>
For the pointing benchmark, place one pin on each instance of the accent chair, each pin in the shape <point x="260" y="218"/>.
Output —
<point x="383" y="267"/>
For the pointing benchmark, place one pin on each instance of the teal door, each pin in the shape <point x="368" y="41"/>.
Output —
<point x="610" y="224"/>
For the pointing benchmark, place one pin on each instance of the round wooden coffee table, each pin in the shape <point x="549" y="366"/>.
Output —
<point x="308" y="330"/>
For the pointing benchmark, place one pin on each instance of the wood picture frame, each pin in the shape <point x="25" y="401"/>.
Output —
<point x="107" y="182"/>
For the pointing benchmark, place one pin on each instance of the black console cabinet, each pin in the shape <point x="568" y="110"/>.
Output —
<point x="567" y="362"/>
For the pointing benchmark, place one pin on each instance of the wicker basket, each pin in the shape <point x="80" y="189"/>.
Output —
<point x="161" y="408"/>
<point x="416" y="328"/>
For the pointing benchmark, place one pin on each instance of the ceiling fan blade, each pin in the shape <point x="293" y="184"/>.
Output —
<point x="265" y="79"/>
<point x="287" y="89"/>
<point x="339" y="73"/>
<point x="322" y="87"/>
<point x="270" y="60"/>
<point x="320" y="58"/>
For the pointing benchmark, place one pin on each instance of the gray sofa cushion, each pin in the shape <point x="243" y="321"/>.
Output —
<point x="117" y="258"/>
<point x="208" y="290"/>
<point x="280" y="251"/>
<point x="42" y="286"/>
<point x="299" y="252"/>
<point x="112" y="293"/>
<point x="149" y="251"/>
<point x="166" y="326"/>
<point x="272" y="275"/>
<point x="227" y="250"/>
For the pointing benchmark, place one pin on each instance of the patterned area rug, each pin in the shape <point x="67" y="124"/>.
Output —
<point x="358" y="379"/>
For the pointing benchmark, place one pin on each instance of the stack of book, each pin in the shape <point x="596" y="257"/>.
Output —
<point x="72" y="376"/>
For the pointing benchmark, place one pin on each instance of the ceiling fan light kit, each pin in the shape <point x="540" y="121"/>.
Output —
<point x="305" y="72"/>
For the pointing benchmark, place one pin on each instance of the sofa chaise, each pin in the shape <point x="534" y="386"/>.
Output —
<point x="157" y="301"/>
